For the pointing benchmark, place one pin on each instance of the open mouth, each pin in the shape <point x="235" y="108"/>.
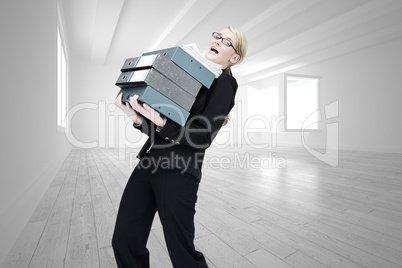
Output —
<point x="214" y="50"/>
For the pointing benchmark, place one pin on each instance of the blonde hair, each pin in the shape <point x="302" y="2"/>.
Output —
<point x="241" y="47"/>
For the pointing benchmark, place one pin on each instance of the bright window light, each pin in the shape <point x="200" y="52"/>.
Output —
<point x="61" y="83"/>
<point x="301" y="103"/>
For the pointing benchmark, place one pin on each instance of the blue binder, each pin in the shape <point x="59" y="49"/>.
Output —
<point x="160" y="83"/>
<point x="165" y="67"/>
<point x="158" y="102"/>
<point x="187" y="63"/>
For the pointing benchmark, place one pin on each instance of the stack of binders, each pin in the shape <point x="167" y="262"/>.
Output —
<point x="168" y="80"/>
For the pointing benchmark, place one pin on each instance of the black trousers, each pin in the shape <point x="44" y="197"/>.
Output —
<point x="171" y="193"/>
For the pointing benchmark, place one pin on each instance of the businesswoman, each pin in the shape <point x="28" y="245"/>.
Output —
<point x="167" y="176"/>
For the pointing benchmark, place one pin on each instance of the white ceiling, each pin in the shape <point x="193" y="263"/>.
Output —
<point x="282" y="34"/>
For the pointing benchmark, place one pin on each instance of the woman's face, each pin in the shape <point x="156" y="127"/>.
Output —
<point x="220" y="54"/>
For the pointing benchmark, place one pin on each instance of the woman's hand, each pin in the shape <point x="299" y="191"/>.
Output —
<point x="147" y="111"/>
<point x="127" y="109"/>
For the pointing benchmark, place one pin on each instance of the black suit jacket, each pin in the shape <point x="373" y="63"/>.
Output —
<point x="183" y="148"/>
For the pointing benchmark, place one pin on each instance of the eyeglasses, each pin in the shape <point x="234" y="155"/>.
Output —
<point x="225" y="41"/>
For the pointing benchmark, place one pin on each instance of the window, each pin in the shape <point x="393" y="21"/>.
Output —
<point x="61" y="83"/>
<point x="301" y="103"/>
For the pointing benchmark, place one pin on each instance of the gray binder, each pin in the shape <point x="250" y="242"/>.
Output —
<point x="165" y="67"/>
<point x="187" y="63"/>
<point x="154" y="79"/>
<point x="158" y="102"/>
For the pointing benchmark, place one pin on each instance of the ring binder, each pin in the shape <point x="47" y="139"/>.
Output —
<point x="187" y="63"/>
<point x="168" y="80"/>
<point x="160" y="83"/>
<point x="158" y="102"/>
<point x="165" y="67"/>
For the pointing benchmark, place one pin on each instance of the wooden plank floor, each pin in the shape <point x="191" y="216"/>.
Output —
<point x="255" y="208"/>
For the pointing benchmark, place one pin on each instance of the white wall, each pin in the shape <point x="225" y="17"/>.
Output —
<point x="95" y="120"/>
<point x="366" y="84"/>
<point x="32" y="150"/>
